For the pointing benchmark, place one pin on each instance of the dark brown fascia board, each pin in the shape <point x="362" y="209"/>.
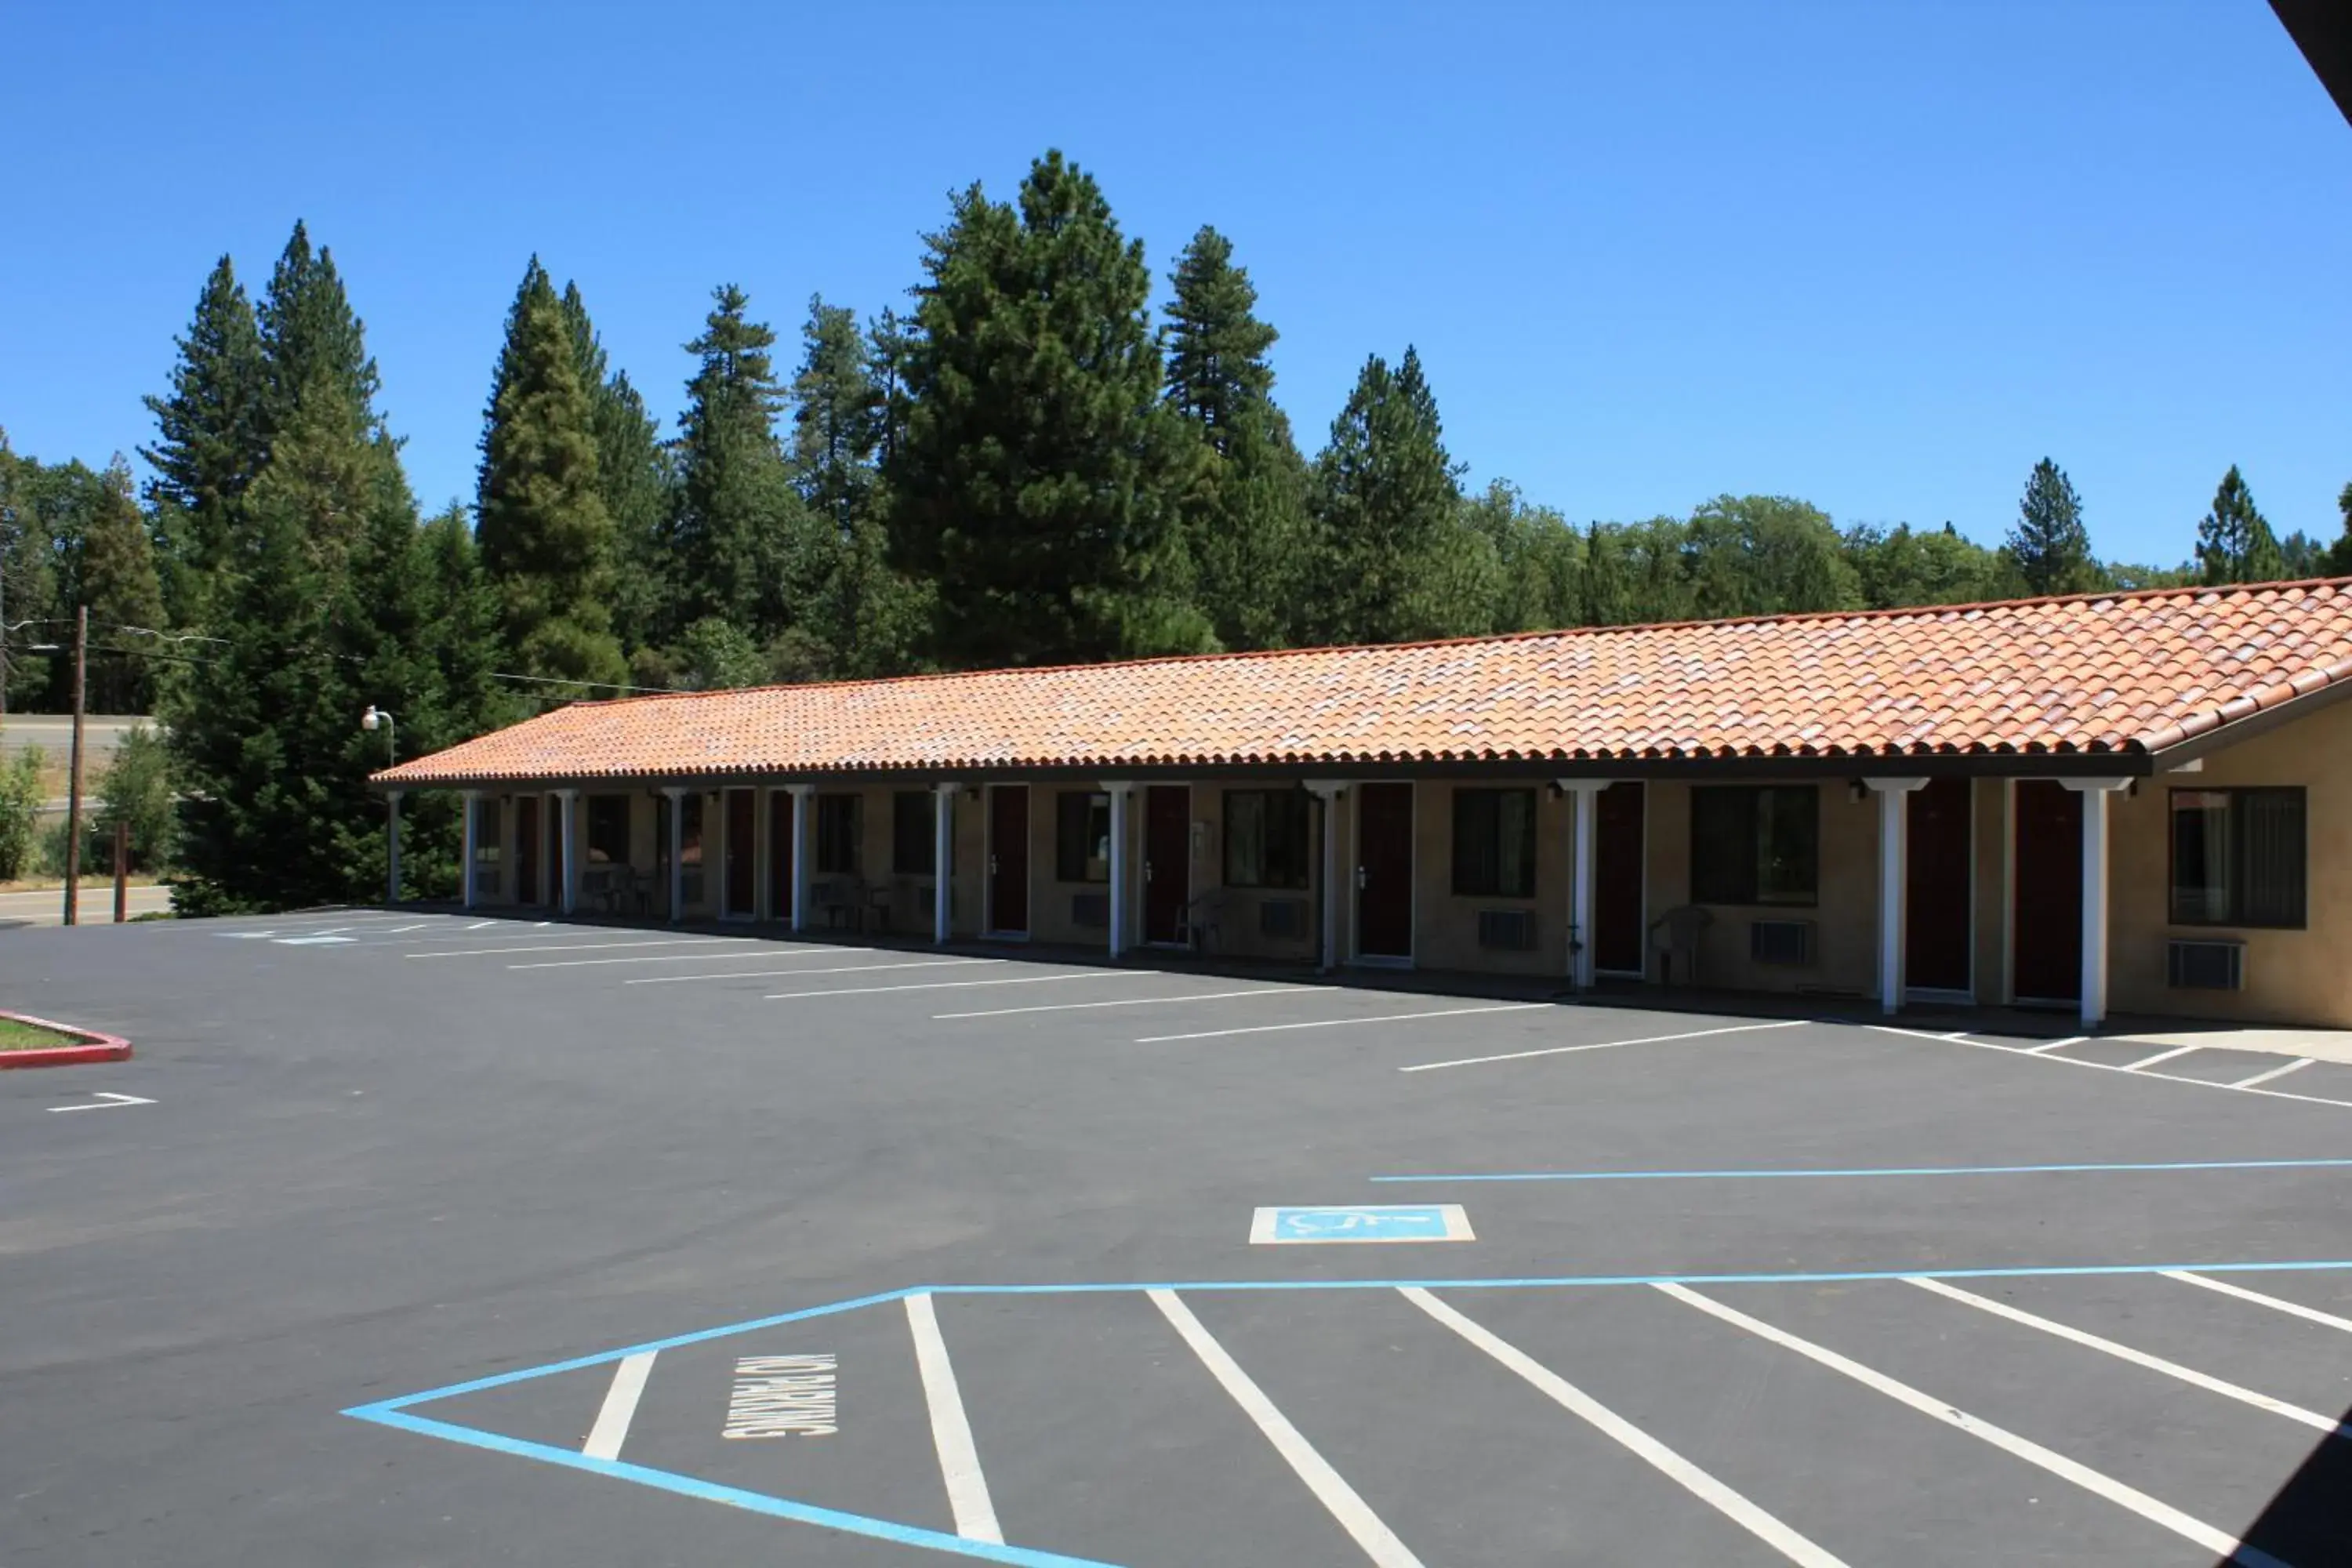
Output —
<point x="2006" y="764"/>
<point x="2225" y="736"/>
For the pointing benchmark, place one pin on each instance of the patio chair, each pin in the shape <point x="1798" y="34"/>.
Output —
<point x="1202" y="916"/>
<point x="1679" y="932"/>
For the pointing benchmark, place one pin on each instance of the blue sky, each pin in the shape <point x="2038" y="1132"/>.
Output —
<point x="1879" y="256"/>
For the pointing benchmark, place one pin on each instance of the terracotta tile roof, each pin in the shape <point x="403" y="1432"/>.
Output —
<point x="2085" y="674"/>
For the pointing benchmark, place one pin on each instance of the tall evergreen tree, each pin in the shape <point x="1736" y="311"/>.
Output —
<point x="2340" y="554"/>
<point x="633" y="476"/>
<point x="1036" y="478"/>
<point x="309" y="334"/>
<point x="29" y="576"/>
<point x="2234" y="542"/>
<point x="740" y="532"/>
<point x="1606" y="598"/>
<point x="2051" y="548"/>
<point x="1245" y="518"/>
<point x="209" y="438"/>
<point x="116" y="577"/>
<point x="1398" y="561"/>
<point x="546" y="539"/>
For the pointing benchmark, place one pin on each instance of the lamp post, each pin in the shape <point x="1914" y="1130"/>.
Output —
<point x="373" y="719"/>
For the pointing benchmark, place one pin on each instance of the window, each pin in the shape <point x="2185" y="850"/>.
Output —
<point x="1081" y="836"/>
<point x="1494" y="843"/>
<point x="2237" y="857"/>
<point x="1268" y="843"/>
<point x="1755" y="844"/>
<point x="489" y="832"/>
<point x="608" y="829"/>
<point x="837" y="823"/>
<point x="914" y="846"/>
<point x="690" y="835"/>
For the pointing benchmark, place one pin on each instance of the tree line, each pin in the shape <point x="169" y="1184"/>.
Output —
<point x="1027" y="466"/>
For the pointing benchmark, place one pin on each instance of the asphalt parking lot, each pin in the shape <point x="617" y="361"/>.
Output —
<point x="418" y="1238"/>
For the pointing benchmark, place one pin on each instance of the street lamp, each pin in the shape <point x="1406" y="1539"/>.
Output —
<point x="373" y="719"/>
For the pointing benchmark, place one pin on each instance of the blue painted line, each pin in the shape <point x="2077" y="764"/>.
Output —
<point x="733" y="1497"/>
<point x="499" y="1380"/>
<point x="1886" y="1171"/>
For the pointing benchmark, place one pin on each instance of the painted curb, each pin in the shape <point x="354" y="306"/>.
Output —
<point x="98" y="1047"/>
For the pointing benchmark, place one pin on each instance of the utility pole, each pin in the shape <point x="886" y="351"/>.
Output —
<point x="121" y="870"/>
<point x="73" y="783"/>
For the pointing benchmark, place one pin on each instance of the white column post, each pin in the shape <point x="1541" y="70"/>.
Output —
<point x="1329" y="791"/>
<point x="470" y="840"/>
<point x="2095" y="793"/>
<point x="392" y="844"/>
<point x="1894" y="883"/>
<point x="676" y="794"/>
<point x="942" y="859"/>
<point x="568" y="799"/>
<point x="800" y="793"/>
<point x="1118" y="793"/>
<point x="1584" y="798"/>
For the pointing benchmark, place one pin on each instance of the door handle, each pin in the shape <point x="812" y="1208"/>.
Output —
<point x="1363" y="879"/>
<point x="991" y="865"/>
<point x="1146" y="871"/>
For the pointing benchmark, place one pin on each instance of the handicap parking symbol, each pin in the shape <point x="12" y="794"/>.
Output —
<point x="1360" y="1222"/>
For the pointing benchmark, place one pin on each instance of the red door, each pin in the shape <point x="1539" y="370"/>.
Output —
<point x="1935" y="916"/>
<point x="1617" y="846"/>
<point x="780" y="854"/>
<point x="2047" y="927"/>
<point x="742" y="865"/>
<point x="1384" y="870"/>
<point x="1167" y="860"/>
<point x="526" y="889"/>
<point x="1008" y="857"/>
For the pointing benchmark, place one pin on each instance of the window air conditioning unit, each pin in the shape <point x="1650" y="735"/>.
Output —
<point x="1512" y="928"/>
<point x="1090" y="910"/>
<point x="1285" y="918"/>
<point x="2205" y="965"/>
<point x="1780" y="941"/>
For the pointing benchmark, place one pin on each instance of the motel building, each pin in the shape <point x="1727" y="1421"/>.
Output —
<point x="2133" y="802"/>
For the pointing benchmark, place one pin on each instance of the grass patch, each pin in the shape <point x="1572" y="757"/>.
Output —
<point x="21" y="1037"/>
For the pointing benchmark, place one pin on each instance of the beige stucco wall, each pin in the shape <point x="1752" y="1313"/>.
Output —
<point x="2290" y="976"/>
<point x="1445" y="924"/>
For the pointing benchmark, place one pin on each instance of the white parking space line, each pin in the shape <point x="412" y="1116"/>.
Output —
<point x="620" y="1407"/>
<point x="2161" y="1057"/>
<point x="1665" y="1460"/>
<point x="1599" y="1046"/>
<point x="968" y="1498"/>
<point x="844" y="969"/>
<point x="1355" y="1516"/>
<point x="584" y="946"/>
<point x="2043" y="1048"/>
<point x="679" y="958"/>
<point x="2189" y="1375"/>
<point x="481" y="925"/>
<point x="951" y="985"/>
<point x="2041" y="1052"/>
<point x="2269" y="1073"/>
<point x="395" y="931"/>
<point x="2293" y="1309"/>
<point x="1344" y="1023"/>
<point x="1126" y="1001"/>
<point x="2092" y="1481"/>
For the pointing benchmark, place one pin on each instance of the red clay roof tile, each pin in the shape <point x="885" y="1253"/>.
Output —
<point x="2088" y="674"/>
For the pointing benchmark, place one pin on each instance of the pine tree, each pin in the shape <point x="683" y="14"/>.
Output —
<point x="115" y="576"/>
<point x="309" y="333"/>
<point x="2234" y="542"/>
<point x="1606" y="595"/>
<point x="2050" y="547"/>
<point x="1399" y="562"/>
<point x="2340" y="554"/>
<point x="546" y="539"/>
<point x="209" y="439"/>
<point x="1036" y="480"/>
<point x="740" y="532"/>
<point x="1245" y="502"/>
<point x="634" y="478"/>
<point x="28" y="578"/>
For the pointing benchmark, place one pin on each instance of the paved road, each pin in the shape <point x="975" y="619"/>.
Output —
<point x="53" y="733"/>
<point x="669" y="1247"/>
<point x="47" y="908"/>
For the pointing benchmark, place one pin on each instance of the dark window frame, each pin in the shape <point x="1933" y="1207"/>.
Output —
<point x="914" y="833"/>
<point x="1731" y="870"/>
<point x="1075" y="837"/>
<point x="839" y="850"/>
<point x="1285" y="840"/>
<point x="2296" y="896"/>
<point x="605" y="808"/>
<point x="1482" y="866"/>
